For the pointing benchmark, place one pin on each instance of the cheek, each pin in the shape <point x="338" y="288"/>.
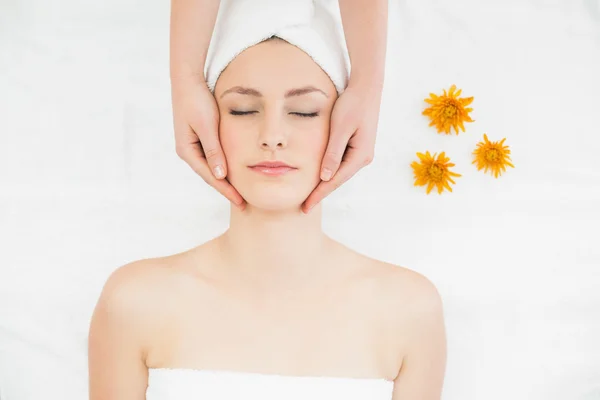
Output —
<point x="316" y="144"/>
<point x="231" y="144"/>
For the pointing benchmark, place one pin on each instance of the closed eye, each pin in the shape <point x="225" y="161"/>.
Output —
<point x="310" y="115"/>
<point x="234" y="112"/>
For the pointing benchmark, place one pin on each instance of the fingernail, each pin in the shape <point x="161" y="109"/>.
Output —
<point x="219" y="172"/>
<point x="326" y="174"/>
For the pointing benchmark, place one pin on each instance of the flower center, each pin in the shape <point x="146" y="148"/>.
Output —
<point x="492" y="155"/>
<point x="449" y="111"/>
<point x="435" y="173"/>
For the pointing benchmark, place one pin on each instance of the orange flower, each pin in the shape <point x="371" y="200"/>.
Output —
<point x="433" y="172"/>
<point x="448" y="111"/>
<point x="493" y="156"/>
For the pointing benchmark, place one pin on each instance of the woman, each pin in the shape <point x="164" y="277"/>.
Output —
<point x="273" y="306"/>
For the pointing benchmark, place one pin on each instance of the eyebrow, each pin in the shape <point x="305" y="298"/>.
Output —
<point x="289" y="93"/>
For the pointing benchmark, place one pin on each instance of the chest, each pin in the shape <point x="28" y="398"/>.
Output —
<point x="334" y="333"/>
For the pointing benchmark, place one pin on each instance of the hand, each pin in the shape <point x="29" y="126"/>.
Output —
<point x="351" y="145"/>
<point x="196" y="123"/>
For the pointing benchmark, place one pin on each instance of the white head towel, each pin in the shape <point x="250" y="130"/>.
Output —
<point x="314" y="26"/>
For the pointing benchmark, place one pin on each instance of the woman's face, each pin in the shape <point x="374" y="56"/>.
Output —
<point x="275" y="104"/>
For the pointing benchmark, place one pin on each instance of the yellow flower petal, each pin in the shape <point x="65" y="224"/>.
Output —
<point x="433" y="171"/>
<point x="466" y="101"/>
<point x="447" y="112"/>
<point x="492" y="156"/>
<point x="429" y="187"/>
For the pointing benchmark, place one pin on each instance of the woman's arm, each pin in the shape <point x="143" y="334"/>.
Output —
<point x="421" y="376"/>
<point x="365" y="29"/>
<point x="192" y="25"/>
<point x="117" y="370"/>
<point x="195" y="111"/>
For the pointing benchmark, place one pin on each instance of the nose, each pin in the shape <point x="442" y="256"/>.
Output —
<point x="272" y="136"/>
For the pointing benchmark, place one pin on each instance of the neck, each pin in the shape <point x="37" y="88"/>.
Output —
<point x="266" y="248"/>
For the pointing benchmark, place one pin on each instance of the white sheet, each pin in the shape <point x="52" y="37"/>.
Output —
<point x="90" y="181"/>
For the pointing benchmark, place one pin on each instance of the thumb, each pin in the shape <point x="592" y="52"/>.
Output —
<point x="334" y="153"/>
<point x="211" y="146"/>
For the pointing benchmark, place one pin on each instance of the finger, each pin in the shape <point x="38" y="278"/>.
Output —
<point x="211" y="146"/>
<point x="226" y="189"/>
<point x="338" y="142"/>
<point x="324" y="188"/>
<point x="192" y="155"/>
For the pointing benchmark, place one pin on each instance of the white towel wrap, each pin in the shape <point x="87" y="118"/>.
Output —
<point x="314" y="26"/>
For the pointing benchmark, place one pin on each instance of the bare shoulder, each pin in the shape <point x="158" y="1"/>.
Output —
<point x="415" y="298"/>
<point x="150" y="289"/>
<point x="135" y="292"/>
<point x="410" y="298"/>
<point x="412" y="285"/>
<point x="133" y="282"/>
<point x="420" y="330"/>
<point x="403" y="288"/>
<point x="123" y="328"/>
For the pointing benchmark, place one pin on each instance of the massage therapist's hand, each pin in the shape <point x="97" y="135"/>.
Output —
<point x="196" y="123"/>
<point x="352" y="134"/>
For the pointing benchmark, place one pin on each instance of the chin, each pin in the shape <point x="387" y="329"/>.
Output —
<point x="274" y="195"/>
<point x="274" y="200"/>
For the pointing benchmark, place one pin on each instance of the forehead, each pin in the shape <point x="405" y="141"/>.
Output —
<point x="275" y="65"/>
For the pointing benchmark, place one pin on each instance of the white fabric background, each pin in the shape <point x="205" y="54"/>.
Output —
<point x="90" y="181"/>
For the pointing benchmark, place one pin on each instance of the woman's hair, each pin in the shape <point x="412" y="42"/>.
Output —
<point x="274" y="37"/>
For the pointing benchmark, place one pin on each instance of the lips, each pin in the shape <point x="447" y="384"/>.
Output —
<point x="272" y="168"/>
<point x="271" y="164"/>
